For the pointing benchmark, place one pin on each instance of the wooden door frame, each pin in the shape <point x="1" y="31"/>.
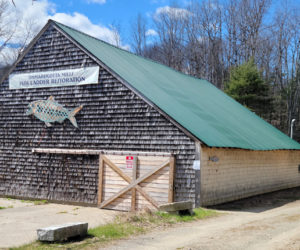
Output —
<point x="133" y="182"/>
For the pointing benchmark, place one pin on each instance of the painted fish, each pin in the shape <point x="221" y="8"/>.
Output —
<point x="50" y="111"/>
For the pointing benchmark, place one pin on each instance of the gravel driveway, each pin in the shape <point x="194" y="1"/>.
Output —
<point x="268" y="222"/>
<point x="19" y="220"/>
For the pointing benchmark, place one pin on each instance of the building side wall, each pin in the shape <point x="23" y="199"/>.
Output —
<point x="113" y="118"/>
<point x="241" y="173"/>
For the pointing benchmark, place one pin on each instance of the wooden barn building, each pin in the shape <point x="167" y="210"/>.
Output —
<point x="82" y="121"/>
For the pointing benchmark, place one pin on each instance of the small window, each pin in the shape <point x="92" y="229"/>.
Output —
<point x="298" y="168"/>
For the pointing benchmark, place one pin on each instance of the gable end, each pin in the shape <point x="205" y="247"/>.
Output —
<point x="113" y="118"/>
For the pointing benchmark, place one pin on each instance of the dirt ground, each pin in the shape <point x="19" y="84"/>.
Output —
<point x="19" y="220"/>
<point x="270" y="221"/>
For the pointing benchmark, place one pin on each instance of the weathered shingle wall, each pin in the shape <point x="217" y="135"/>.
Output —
<point x="113" y="118"/>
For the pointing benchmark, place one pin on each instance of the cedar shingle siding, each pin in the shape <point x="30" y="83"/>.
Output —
<point x="113" y="118"/>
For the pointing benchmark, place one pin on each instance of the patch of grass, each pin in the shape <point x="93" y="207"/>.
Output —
<point x="199" y="213"/>
<point x="75" y="244"/>
<point x="26" y="201"/>
<point x="40" y="202"/>
<point x="7" y="207"/>
<point x="123" y="226"/>
<point x="35" y="202"/>
<point x="114" y="231"/>
<point x="62" y="212"/>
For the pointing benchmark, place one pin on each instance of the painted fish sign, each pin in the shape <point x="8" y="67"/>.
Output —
<point x="50" y="111"/>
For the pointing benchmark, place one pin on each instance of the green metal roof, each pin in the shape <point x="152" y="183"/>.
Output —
<point x="197" y="105"/>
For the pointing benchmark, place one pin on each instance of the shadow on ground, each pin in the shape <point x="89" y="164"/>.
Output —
<point x="261" y="203"/>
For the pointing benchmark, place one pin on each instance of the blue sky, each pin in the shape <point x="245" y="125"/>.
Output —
<point x="120" y="12"/>
<point x="94" y="17"/>
<point x="112" y="10"/>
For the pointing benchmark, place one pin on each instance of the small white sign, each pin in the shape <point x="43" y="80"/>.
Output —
<point x="58" y="78"/>
<point x="129" y="162"/>
<point x="196" y="165"/>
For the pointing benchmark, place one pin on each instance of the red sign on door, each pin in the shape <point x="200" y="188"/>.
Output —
<point x="129" y="162"/>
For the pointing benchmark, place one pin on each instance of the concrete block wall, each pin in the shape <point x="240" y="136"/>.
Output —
<point x="231" y="174"/>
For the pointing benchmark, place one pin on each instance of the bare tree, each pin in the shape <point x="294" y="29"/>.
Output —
<point x="15" y="4"/>
<point x="15" y="32"/>
<point x="208" y="38"/>
<point x="205" y="45"/>
<point x="138" y="33"/>
<point x="171" y="28"/>
<point x="244" y="24"/>
<point x="116" y="31"/>
<point x="7" y="31"/>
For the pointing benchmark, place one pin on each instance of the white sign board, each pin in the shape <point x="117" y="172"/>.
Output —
<point x="129" y="162"/>
<point x="196" y="165"/>
<point x="58" y="78"/>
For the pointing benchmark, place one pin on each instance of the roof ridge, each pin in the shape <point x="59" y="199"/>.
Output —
<point x="129" y="52"/>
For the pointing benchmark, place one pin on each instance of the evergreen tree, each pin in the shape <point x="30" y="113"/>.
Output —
<point x="248" y="88"/>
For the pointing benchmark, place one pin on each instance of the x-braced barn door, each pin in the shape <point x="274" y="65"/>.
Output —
<point x="135" y="182"/>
